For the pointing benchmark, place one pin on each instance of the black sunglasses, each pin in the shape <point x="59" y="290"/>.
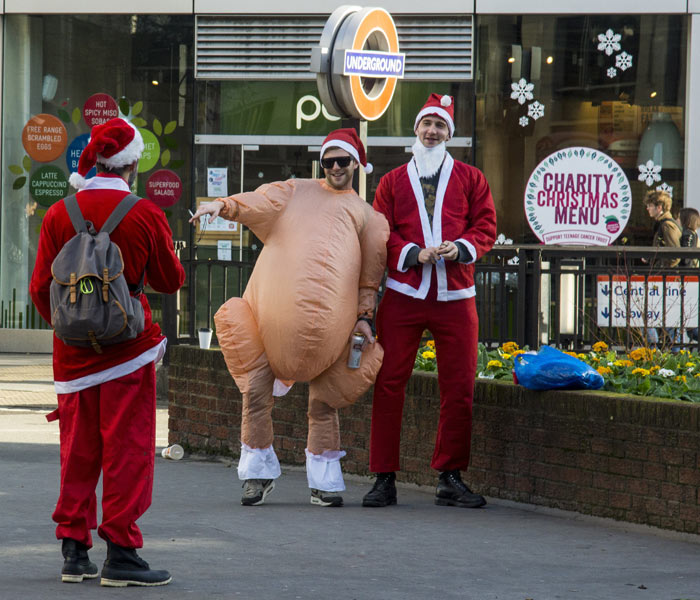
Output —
<point x="343" y="161"/>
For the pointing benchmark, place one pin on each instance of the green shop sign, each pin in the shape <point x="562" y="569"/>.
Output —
<point x="48" y="184"/>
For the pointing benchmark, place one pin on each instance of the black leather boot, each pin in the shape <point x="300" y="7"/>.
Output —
<point x="383" y="492"/>
<point x="124" y="567"/>
<point x="452" y="491"/>
<point x="77" y="565"/>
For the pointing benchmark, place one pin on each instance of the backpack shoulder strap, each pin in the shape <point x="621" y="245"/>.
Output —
<point x="76" y="217"/>
<point x="119" y="213"/>
<point x="667" y="220"/>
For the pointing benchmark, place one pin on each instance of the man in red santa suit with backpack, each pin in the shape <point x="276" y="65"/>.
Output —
<point x="442" y="219"/>
<point x="107" y="393"/>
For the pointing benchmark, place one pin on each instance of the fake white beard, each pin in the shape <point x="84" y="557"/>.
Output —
<point x="428" y="160"/>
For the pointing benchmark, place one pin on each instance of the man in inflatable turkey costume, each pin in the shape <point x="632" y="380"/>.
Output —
<point x="313" y="285"/>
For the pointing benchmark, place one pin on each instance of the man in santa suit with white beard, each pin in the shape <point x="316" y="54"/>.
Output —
<point x="442" y="220"/>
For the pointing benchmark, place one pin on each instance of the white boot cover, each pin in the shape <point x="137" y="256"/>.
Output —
<point x="258" y="463"/>
<point x="323" y="471"/>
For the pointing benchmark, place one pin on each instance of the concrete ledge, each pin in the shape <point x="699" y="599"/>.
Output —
<point x="607" y="455"/>
<point x="34" y="341"/>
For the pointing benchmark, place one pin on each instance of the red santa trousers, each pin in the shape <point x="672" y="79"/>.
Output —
<point x="109" y="427"/>
<point x="401" y="321"/>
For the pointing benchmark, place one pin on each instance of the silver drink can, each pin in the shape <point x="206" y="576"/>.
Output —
<point x="355" y="350"/>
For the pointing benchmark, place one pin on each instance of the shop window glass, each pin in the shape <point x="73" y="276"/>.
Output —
<point x="268" y="117"/>
<point x="63" y="74"/>
<point x="293" y="108"/>
<point x="602" y="81"/>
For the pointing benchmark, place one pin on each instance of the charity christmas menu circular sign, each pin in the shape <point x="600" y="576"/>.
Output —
<point x="98" y="109"/>
<point x="578" y="196"/>
<point x="164" y="188"/>
<point x="44" y="138"/>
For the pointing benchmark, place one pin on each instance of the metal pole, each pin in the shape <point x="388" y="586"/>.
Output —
<point x="240" y="226"/>
<point x="362" y="179"/>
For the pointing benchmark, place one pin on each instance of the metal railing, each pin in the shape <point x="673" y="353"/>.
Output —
<point x="530" y="294"/>
<point x="574" y="296"/>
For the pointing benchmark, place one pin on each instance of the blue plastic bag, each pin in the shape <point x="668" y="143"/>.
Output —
<point x="551" y="369"/>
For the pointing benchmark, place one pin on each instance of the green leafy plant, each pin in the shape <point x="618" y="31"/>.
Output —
<point x="426" y="359"/>
<point x="641" y="372"/>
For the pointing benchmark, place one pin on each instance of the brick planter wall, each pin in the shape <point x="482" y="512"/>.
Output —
<point x="623" y="457"/>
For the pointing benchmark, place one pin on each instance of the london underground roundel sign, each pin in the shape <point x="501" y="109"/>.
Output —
<point x="358" y="62"/>
<point x="578" y="196"/>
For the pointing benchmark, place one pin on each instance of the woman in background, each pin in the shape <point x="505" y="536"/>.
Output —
<point x="690" y="222"/>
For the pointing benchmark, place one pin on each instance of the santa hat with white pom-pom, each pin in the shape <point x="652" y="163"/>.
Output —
<point x="439" y="106"/>
<point x="114" y="144"/>
<point x="348" y="140"/>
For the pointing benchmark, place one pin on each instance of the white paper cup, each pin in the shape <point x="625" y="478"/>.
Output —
<point x="174" y="452"/>
<point x="204" y="338"/>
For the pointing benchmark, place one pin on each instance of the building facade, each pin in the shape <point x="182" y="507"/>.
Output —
<point x="226" y="101"/>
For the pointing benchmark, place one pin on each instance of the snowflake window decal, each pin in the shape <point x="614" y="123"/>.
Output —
<point x="522" y="91"/>
<point x="523" y="121"/>
<point x="664" y="187"/>
<point x="535" y="110"/>
<point x="502" y="240"/>
<point x="609" y="42"/>
<point x="649" y="173"/>
<point x="623" y="61"/>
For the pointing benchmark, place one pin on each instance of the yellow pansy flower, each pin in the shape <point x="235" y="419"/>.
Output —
<point x="509" y="347"/>
<point x="641" y="354"/>
<point x="623" y="363"/>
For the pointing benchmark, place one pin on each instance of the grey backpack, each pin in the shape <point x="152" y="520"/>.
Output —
<point x="90" y="300"/>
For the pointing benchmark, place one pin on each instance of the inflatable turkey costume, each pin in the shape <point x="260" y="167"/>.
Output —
<point x="322" y="262"/>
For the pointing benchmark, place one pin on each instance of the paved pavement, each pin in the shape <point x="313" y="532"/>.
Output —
<point x="26" y="380"/>
<point x="215" y="548"/>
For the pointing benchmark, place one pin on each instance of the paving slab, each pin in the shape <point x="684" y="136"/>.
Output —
<point x="287" y="548"/>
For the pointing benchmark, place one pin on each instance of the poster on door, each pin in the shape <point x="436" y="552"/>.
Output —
<point x="650" y="298"/>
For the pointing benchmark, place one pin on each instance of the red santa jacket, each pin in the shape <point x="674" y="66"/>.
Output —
<point x="145" y="240"/>
<point x="464" y="212"/>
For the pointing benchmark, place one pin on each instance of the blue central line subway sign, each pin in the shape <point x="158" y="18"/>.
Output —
<point x="373" y="64"/>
